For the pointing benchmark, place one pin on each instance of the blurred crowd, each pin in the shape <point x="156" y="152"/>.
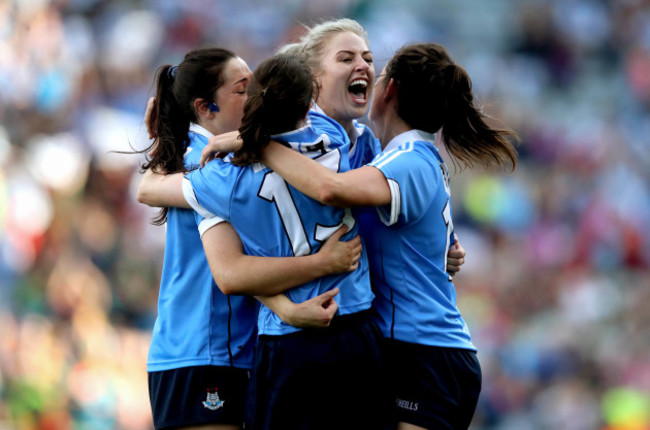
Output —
<point x="556" y="288"/>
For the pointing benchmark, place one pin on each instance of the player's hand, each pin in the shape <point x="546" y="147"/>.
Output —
<point x="340" y="256"/>
<point x="314" y="313"/>
<point x="455" y="257"/>
<point x="220" y="145"/>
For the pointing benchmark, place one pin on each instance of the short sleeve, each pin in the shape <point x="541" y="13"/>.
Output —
<point x="412" y="182"/>
<point x="208" y="191"/>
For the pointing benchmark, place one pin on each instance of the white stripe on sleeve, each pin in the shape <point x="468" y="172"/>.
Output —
<point x="208" y="223"/>
<point x="209" y="219"/>
<point x="395" y="204"/>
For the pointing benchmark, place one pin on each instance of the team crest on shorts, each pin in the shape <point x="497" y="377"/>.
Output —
<point x="212" y="400"/>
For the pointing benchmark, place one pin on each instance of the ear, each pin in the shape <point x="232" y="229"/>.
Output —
<point x="391" y="90"/>
<point x="317" y="81"/>
<point x="201" y="107"/>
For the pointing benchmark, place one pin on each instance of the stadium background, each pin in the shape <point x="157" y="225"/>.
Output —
<point x="556" y="289"/>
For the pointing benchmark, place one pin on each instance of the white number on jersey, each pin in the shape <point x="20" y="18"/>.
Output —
<point x="274" y="189"/>
<point x="446" y="216"/>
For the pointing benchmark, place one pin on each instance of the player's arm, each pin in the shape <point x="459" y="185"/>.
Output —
<point x="361" y="187"/>
<point x="161" y="190"/>
<point x="365" y="186"/>
<point x="313" y="313"/>
<point x="238" y="273"/>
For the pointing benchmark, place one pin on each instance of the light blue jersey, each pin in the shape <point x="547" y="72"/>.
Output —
<point x="365" y="147"/>
<point x="197" y="324"/>
<point x="408" y="242"/>
<point x="273" y="219"/>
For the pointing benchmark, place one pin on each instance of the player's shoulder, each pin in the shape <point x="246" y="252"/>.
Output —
<point x="412" y="155"/>
<point x="322" y="123"/>
<point x="412" y="142"/>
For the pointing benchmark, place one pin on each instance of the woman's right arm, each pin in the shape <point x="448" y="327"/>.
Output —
<point x="160" y="190"/>
<point x="365" y="186"/>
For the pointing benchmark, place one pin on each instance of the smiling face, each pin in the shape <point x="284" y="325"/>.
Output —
<point x="231" y="97"/>
<point x="345" y="78"/>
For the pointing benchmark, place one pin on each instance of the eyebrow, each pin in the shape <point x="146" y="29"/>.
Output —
<point x="345" y="51"/>
<point x="241" y="80"/>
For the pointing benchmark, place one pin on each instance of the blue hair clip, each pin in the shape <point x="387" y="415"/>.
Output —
<point x="212" y="106"/>
<point x="171" y="72"/>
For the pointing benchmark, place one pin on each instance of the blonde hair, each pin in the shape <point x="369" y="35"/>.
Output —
<point x="311" y="46"/>
<point x="291" y="49"/>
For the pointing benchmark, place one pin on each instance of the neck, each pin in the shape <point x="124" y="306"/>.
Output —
<point x="393" y="126"/>
<point x="209" y="125"/>
<point x="348" y="126"/>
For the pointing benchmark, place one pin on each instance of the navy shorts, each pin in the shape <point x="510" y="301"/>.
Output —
<point x="433" y="387"/>
<point x="330" y="378"/>
<point x="198" y="395"/>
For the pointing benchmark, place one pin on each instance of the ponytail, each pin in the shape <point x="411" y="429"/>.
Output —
<point x="434" y="93"/>
<point x="171" y="123"/>
<point x="199" y="75"/>
<point x="254" y="129"/>
<point x="465" y="131"/>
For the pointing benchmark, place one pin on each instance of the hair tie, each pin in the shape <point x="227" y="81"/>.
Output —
<point x="171" y="72"/>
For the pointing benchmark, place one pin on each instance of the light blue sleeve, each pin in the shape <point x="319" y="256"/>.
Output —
<point x="209" y="191"/>
<point x="412" y="182"/>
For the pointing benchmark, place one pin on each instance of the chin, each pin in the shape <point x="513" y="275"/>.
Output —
<point x="359" y="111"/>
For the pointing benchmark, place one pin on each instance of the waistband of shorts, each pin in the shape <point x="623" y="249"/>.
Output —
<point x="349" y="320"/>
<point x="338" y="323"/>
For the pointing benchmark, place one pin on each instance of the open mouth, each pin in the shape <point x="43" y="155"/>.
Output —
<point x="358" y="89"/>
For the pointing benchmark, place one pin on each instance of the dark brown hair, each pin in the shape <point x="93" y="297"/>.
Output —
<point x="279" y="96"/>
<point x="433" y="92"/>
<point x="199" y="75"/>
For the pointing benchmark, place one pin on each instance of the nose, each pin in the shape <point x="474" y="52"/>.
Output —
<point x="361" y="65"/>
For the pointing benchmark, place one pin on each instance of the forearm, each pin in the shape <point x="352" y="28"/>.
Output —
<point x="293" y="167"/>
<point x="238" y="273"/>
<point x="315" y="312"/>
<point x="365" y="186"/>
<point x="250" y="275"/>
<point x="161" y="190"/>
<point x="279" y="304"/>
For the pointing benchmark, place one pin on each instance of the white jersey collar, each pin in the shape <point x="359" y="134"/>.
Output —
<point x="410" y="136"/>
<point x="194" y="127"/>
